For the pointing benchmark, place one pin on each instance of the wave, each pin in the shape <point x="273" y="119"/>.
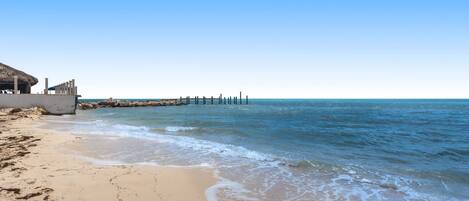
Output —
<point x="205" y="146"/>
<point x="131" y="128"/>
<point x="178" y="128"/>
<point x="342" y="183"/>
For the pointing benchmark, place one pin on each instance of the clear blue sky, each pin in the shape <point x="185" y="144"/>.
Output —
<point x="290" y="48"/>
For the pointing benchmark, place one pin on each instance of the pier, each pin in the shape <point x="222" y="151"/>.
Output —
<point x="154" y="103"/>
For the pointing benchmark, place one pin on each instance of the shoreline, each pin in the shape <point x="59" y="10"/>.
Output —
<point x="34" y="165"/>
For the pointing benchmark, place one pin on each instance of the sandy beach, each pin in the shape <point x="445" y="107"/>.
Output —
<point x="34" y="165"/>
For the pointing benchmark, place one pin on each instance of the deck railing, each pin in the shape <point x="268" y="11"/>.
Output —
<point x="66" y="88"/>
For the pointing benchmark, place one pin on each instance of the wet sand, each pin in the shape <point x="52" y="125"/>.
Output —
<point x="34" y="165"/>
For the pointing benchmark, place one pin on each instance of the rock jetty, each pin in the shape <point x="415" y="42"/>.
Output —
<point x="126" y="103"/>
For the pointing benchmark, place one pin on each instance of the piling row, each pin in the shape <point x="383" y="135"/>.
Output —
<point x="222" y="100"/>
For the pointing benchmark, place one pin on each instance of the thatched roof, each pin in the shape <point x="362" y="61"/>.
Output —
<point x="7" y="73"/>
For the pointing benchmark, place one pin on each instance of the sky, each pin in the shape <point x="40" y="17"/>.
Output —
<point x="265" y="48"/>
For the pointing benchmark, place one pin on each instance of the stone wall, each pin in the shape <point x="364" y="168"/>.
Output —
<point x="54" y="104"/>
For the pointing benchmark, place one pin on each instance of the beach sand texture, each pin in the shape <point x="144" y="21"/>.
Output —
<point x="34" y="166"/>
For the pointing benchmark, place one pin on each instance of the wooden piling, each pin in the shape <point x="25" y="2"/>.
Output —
<point x="247" y="100"/>
<point x="211" y="100"/>
<point x="224" y="100"/>
<point x="240" y="98"/>
<point x="74" y="92"/>
<point x="46" y="90"/>
<point x="204" y="101"/>
<point x="69" y="84"/>
<point x="15" y="84"/>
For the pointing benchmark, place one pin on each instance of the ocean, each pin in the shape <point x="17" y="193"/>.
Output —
<point x="292" y="149"/>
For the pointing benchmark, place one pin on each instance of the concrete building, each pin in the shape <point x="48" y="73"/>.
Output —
<point x="15" y="92"/>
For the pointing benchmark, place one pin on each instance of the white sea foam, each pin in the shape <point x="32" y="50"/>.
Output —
<point x="201" y="165"/>
<point x="349" y="184"/>
<point x="230" y="189"/>
<point x="178" y="128"/>
<point x="187" y="142"/>
<point x="129" y="127"/>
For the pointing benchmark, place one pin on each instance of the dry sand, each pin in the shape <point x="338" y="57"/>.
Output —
<point x="33" y="166"/>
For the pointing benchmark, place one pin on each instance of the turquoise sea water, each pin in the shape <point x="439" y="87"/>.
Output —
<point x="300" y="149"/>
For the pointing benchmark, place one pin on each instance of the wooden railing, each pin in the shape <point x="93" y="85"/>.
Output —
<point x="66" y="88"/>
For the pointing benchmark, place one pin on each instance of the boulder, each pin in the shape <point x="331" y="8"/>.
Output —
<point x="14" y="110"/>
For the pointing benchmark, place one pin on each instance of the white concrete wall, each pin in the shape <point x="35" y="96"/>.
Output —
<point x="54" y="104"/>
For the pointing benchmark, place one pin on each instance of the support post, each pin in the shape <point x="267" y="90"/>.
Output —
<point x="69" y="87"/>
<point x="204" y="101"/>
<point x="15" y="87"/>
<point x="73" y="87"/>
<point x="240" y="98"/>
<point x="46" y="83"/>
<point x="211" y="100"/>
<point x="224" y="100"/>
<point x="247" y="100"/>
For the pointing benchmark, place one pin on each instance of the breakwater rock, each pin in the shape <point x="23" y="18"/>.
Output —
<point x="127" y="103"/>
